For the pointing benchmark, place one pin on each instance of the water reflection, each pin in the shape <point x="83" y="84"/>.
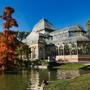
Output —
<point x="33" y="83"/>
<point x="32" y="79"/>
<point x="67" y="74"/>
<point x="13" y="82"/>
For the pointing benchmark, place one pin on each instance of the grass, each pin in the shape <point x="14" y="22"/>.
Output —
<point x="79" y="83"/>
<point x="70" y="66"/>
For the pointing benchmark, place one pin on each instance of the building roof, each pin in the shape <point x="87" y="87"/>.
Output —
<point x="77" y="39"/>
<point x="32" y="37"/>
<point x="82" y="38"/>
<point x="75" y="28"/>
<point x="43" y="24"/>
<point x="72" y="39"/>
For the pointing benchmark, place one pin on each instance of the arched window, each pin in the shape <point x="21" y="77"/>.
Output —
<point x="66" y="49"/>
<point x="61" y="50"/>
<point x="74" y="49"/>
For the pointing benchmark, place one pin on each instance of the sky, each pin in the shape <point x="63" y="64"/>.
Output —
<point x="61" y="13"/>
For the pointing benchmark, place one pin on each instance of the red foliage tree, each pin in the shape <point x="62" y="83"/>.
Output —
<point x="8" y="41"/>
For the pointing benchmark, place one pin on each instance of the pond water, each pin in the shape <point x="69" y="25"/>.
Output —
<point x="32" y="79"/>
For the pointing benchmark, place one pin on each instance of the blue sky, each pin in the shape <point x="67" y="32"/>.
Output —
<point x="61" y="13"/>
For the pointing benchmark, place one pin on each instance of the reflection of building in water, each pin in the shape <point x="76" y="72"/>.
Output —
<point x="34" y="81"/>
<point x="67" y="74"/>
<point x="52" y="75"/>
<point x="43" y="75"/>
<point x="49" y="75"/>
<point x="36" y="78"/>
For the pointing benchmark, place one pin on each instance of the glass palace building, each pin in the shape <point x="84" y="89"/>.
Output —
<point x="67" y="44"/>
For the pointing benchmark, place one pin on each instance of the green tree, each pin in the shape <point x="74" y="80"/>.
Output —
<point x="24" y="53"/>
<point x="22" y="35"/>
<point x="88" y="27"/>
<point x="23" y="50"/>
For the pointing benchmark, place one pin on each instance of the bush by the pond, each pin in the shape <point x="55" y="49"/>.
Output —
<point x="79" y="83"/>
<point x="40" y="62"/>
<point x="86" y="67"/>
<point x="53" y="64"/>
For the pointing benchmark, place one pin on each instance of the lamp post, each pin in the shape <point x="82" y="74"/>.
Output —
<point x="76" y="47"/>
<point x="63" y="51"/>
<point x="58" y="48"/>
<point x="70" y="49"/>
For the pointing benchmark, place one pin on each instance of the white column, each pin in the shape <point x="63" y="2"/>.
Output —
<point x="70" y="49"/>
<point x="76" y="48"/>
<point x="58" y="48"/>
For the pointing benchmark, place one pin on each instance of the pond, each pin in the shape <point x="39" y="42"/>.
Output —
<point x="32" y="79"/>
